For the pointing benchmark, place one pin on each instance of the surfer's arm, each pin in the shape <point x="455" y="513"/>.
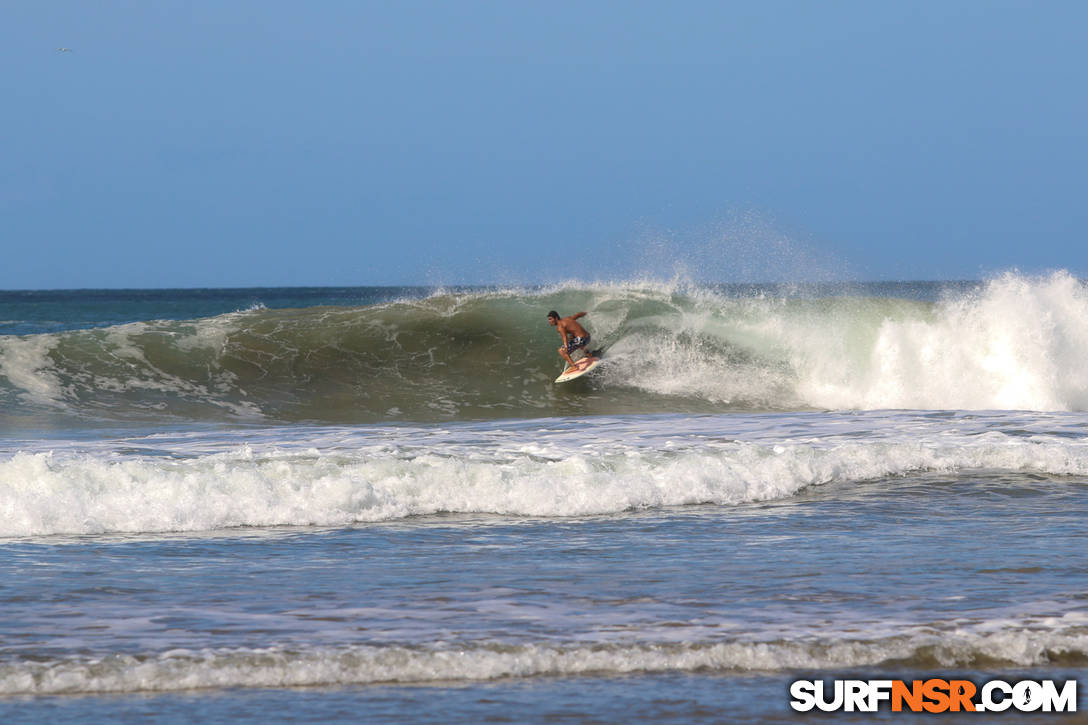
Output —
<point x="577" y="315"/>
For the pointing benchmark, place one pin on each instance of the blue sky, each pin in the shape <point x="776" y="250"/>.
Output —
<point x="342" y="143"/>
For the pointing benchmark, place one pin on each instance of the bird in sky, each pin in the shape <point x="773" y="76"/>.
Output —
<point x="64" y="50"/>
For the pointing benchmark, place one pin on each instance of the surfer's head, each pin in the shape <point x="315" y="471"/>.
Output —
<point x="553" y="317"/>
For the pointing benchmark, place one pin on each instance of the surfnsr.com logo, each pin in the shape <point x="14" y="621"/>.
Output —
<point x="934" y="695"/>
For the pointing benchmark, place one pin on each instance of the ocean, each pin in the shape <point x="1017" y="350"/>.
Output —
<point x="374" y="504"/>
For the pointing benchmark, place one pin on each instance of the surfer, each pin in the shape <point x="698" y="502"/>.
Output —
<point x="574" y="335"/>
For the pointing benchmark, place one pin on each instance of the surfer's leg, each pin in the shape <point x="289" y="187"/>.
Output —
<point x="566" y="356"/>
<point x="578" y="345"/>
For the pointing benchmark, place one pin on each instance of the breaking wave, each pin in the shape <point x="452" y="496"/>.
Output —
<point x="1015" y="342"/>
<point x="85" y="493"/>
<point x="479" y="661"/>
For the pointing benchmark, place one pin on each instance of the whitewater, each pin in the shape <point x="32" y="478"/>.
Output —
<point x="375" y="503"/>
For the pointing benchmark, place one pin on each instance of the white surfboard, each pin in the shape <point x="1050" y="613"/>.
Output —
<point x="581" y="367"/>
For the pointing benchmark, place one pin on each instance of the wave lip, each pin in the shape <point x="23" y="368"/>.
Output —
<point x="79" y="493"/>
<point x="276" y="667"/>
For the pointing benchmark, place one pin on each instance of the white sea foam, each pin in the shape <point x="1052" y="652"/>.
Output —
<point x="25" y="362"/>
<point x="81" y="492"/>
<point x="120" y="342"/>
<point x="1017" y="343"/>
<point x="480" y="661"/>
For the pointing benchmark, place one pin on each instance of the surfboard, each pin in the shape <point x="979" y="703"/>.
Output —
<point x="581" y="367"/>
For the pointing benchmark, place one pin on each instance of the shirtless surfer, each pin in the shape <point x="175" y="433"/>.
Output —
<point x="574" y="336"/>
